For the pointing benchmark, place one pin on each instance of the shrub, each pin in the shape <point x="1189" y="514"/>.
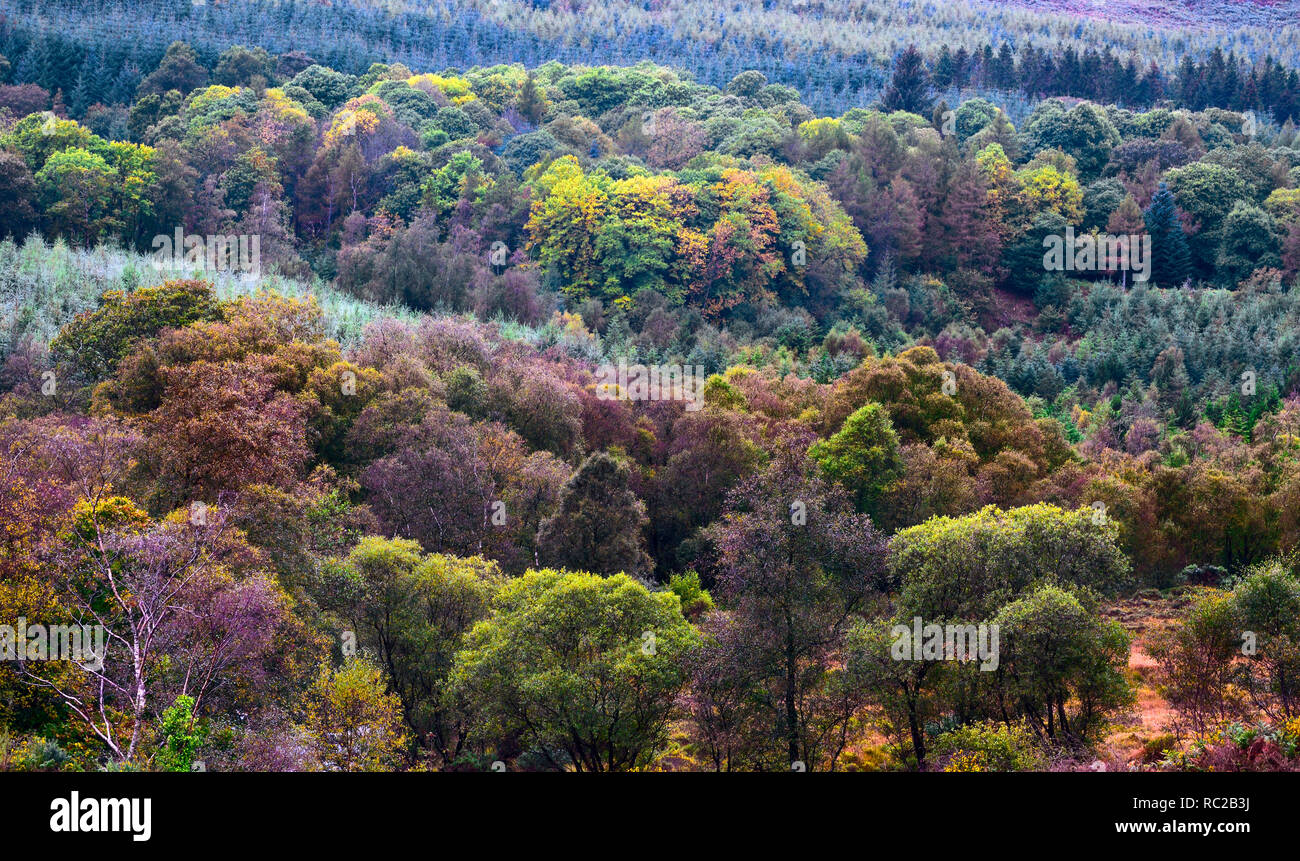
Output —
<point x="989" y="747"/>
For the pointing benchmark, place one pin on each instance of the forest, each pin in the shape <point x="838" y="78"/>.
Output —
<point x="306" y="404"/>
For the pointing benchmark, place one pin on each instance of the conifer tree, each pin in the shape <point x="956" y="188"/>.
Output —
<point x="598" y="526"/>
<point x="1170" y="258"/>
<point x="910" y="88"/>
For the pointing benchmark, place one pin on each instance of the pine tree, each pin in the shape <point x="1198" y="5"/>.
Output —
<point x="910" y="88"/>
<point x="90" y="83"/>
<point x="944" y="71"/>
<point x="599" y="522"/>
<point x="1005" y="72"/>
<point x="530" y="103"/>
<point x="969" y="240"/>
<point x="961" y="68"/>
<point x="1170" y="257"/>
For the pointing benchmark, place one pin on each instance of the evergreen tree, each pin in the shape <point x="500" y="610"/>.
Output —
<point x="598" y="526"/>
<point x="944" y="71"/>
<point x="910" y="88"/>
<point x="91" y="83"/>
<point x="1170" y="257"/>
<point x="530" y="103"/>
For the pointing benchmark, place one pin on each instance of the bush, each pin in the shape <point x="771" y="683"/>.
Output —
<point x="41" y="754"/>
<point x="989" y="747"/>
<point x="696" y="601"/>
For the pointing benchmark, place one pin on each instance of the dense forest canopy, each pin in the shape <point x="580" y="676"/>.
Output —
<point x="837" y="53"/>
<point x="305" y="391"/>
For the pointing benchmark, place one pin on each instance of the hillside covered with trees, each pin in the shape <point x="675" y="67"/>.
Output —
<point x="361" y="495"/>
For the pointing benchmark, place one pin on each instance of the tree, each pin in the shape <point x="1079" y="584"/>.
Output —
<point x="17" y="193"/>
<point x="563" y="222"/>
<point x="534" y="403"/>
<point x="747" y="84"/>
<point x="674" y="141"/>
<point x="970" y="236"/>
<point x="599" y="522"/>
<point x="530" y="102"/>
<point x="329" y="87"/>
<point x="902" y="690"/>
<point x="1195" y="658"/>
<point x="1249" y="242"/>
<point x="1126" y="218"/>
<point x="966" y="568"/>
<point x="794" y="566"/>
<point x="863" y="455"/>
<point x="179" y="70"/>
<point x="1046" y="190"/>
<point x="1267" y="603"/>
<point x="354" y="724"/>
<point x="909" y="89"/>
<point x="525" y="150"/>
<point x="437" y="485"/>
<point x="583" y="670"/>
<point x="162" y="593"/>
<point x="1170" y="259"/>
<point x="181" y="737"/>
<point x="1206" y="192"/>
<point x="1024" y="259"/>
<point x="413" y="611"/>
<point x="1291" y="248"/>
<point x="1084" y="131"/>
<point x="240" y="67"/>
<point x="1056" y="654"/>
<point x="76" y="193"/>
<point x="710" y="452"/>
<point x="973" y="116"/>
<point x="222" y="426"/>
<point x="92" y="345"/>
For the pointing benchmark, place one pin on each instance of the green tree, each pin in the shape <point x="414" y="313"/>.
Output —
<point x="1249" y="241"/>
<point x="354" y="723"/>
<point x="863" y="455"/>
<point x="1267" y="603"/>
<point x="904" y="692"/>
<point x="966" y="568"/>
<point x="179" y="70"/>
<point x="413" y="611"/>
<point x="909" y="89"/>
<point x="1170" y="258"/>
<point x="583" y="670"/>
<point x="530" y="102"/>
<point x="599" y="523"/>
<point x="181" y="736"/>
<point x="1084" y="131"/>
<point x="241" y="67"/>
<point x="76" y="192"/>
<point x="329" y="87"/>
<point x="91" y="346"/>
<point x="1207" y="192"/>
<point x="1060" y="665"/>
